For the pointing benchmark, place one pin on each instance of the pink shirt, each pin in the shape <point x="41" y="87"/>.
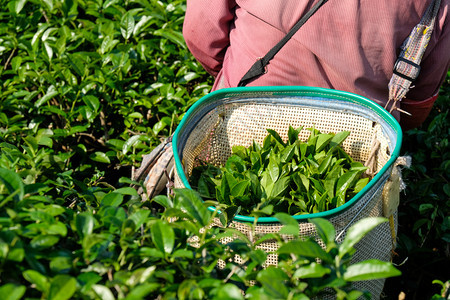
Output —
<point x="347" y="45"/>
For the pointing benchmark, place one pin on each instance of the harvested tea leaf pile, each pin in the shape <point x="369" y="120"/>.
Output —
<point x="294" y="177"/>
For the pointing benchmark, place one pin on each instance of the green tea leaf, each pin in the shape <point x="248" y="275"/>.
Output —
<point x="87" y="280"/>
<point x="265" y="211"/>
<point x="18" y="5"/>
<point x="276" y="136"/>
<point x="227" y="215"/>
<point x="103" y="292"/>
<point x="92" y="102"/>
<point x="173" y="36"/>
<point x="163" y="201"/>
<point x="127" y="25"/>
<point x="51" y="92"/>
<point x="370" y="269"/>
<point x="291" y="225"/>
<point x="306" y="248"/>
<point x="76" y="62"/>
<point x="325" y="164"/>
<point x="139" y="217"/>
<point x="192" y="203"/>
<point x="126" y="191"/>
<point x="228" y="291"/>
<point x="130" y="143"/>
<point x="44" y="241"/>
<point x="344" y="182"/>
<point x="239" y="188"/>
<point x="112" y="199"/>
<point x="100" y="157"/>
<point x="235" y="164"/>
<point x="273" y="169"/>
<point x="240" y="151"/>
<point x="280" y="187"/>
<point x="10" y="291"/>
<point x="40" y="281"/>
<point x="305" y="181"/>
<point x="272" y="280"/>
<point x="288" y="153"/>
<point x="357" y="231"/>
<point x="142" y="290"/>
<point x="62" y="287"/>
<point x="13" y="183"/>
<point x="84" y="223"/>
<point x="325" y="229"/>
<point x="322" y="141"/>
<point x="360" y="184"/>
<point x="313" y="270"/>
<point x="338" y="138"/>
<point x="293" y="134"/>
<point x="163" y="236"/>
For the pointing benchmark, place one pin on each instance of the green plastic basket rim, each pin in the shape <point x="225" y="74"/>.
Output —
<point x="295" y="91"/>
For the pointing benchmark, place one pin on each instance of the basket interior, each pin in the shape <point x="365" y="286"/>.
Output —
<point x="241" y="123"/>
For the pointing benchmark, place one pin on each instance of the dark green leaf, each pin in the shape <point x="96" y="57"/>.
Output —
<point x="293" y="134"/>
<point x="227" y="215"/>
<point x="13" y="183"/>
<point x="276" y="136"/>
<point x="76" y="62"/>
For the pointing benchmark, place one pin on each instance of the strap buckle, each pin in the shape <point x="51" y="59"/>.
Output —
<point x="402" y="75"/>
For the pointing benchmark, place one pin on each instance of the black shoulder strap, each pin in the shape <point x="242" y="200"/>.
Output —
<point x="259" y="66"/>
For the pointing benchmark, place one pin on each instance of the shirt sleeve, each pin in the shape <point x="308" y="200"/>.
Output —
<point x="206" y="31"/>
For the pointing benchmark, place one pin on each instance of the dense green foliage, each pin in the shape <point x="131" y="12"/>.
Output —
<point x="89" y="86"/>
<point x="294" y="177"/>
<point x="86" y="88"/>
<point x="424" y="212"/>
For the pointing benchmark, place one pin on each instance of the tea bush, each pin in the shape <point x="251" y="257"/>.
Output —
<point x="424" y="212"/>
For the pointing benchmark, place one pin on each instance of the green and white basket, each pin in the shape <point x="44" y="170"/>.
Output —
<point x="237" y="116"/>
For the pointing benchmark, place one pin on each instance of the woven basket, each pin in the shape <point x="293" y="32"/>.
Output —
<point x="237" y="116"/>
